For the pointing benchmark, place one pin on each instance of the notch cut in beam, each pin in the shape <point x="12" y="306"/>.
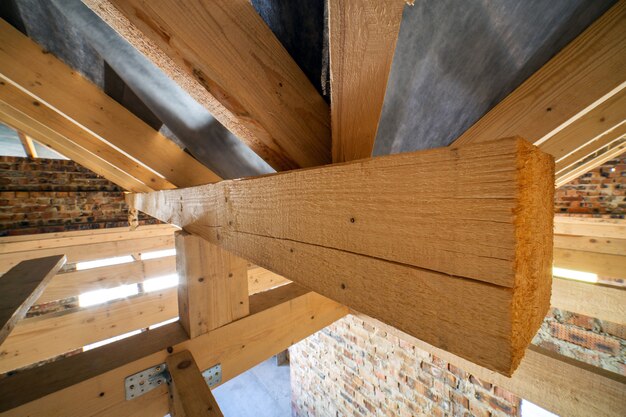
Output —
<point x="190" y="395"/>
<point x="247" y="80"/>
<point x="347" y="229"/>
<point x="363" y="36"/>
<point x="20" y="288"/>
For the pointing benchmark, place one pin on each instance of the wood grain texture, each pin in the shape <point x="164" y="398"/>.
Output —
<point x="579" y="78"/>
<point x="213" y="286"/>
<point x="50" y="81"/>
<point x="260" y="279"/>
<point x="44" y="337"/>
<point x="554" y="382"/>
<point x="595" y="228"/>
<point x="190" y="395"/>
<point x="247" y="80"/>
<point x="71" y="284"/>
<point x="21" y="286"/>
<point x="611" y="246"/>
<point x="237" y="346"/>
<point x="22" y="112"/>
<point x="598" y="263"/>
<point x="594" y="300"/>
<point x="362" y="41"/>
<point x="489" y="246"/>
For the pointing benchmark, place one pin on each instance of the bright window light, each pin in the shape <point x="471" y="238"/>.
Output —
<point x="111" y="340"/>
<point x="158" y="254"/>
<point x="103" y="262"/>
<point x="163" y="323"/>
<point x="102" y="296"/>
<point x="531" y="410"/>
<point x="576" y="275"/>
<point x="160" y="283"/>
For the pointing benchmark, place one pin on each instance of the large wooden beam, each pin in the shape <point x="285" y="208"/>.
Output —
<point x="598" y="263"/>
<point x="21" y="286"/>
<point x="96" y="377"/>
<point x="594" y="300"/>
<point x="44" y="337"/>
<point x="247" y="79"/>
<point x="559" y="384"/>
<point x="374" y="235"/>
<point x="583" y="76"/>
<point x="48" y="80"/>
<point x="213" y="286"/>
<point x="190" y="395"/>
<point x="362" y="41"/>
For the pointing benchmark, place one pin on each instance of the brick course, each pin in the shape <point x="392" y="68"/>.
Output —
<point x="49" y="195"/>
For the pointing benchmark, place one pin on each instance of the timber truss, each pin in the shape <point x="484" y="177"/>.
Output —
<point x="451" y="248"/>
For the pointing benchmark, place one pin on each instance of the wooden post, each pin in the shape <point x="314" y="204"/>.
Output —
<point x="190" y="395"/>
<point x="213" y="287"/>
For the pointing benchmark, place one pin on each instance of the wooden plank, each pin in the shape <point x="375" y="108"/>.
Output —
<point x="70" y="284"/>
<point x="39" y="338"/>
<point x="594" y="300"/>
<point x="381" y="219"/>
<point x="583" y="75"/>
<point x="592" y="147"/>
<point x="605" y="117"/>
<point x="190" y="395"/>
<point x="20" y="121"/>
<point x="597" y="263"/>
<point x="362" y="41"/>
<point x="606" y="245"/>
<point x="554" y="382"/>
<point x="90" y="252"/>
<point x="247" y="79"/>
<point x="28" y="145"/>
<point x="260" y="279"/>
<point x="213" y="286"/>
<point x="99" y="235"/>
<point x="21" y="286"/>
<point x="585" y="226"/>
<point x="237" y="347"/>
<point x="34" y="117"/>
<point x="50" y="81"/>
<point x="613" y="152"/>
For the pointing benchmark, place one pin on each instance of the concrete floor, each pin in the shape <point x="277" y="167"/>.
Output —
<point x="263" y="391"/>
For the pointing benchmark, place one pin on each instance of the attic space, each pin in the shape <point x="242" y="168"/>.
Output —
<point x="323" y="208"/>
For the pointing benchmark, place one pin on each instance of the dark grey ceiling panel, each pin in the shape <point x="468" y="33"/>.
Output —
<point x="456" y="59"/>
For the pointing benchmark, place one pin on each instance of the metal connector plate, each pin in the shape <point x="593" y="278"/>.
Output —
<point x="145" y="381"/>
<point x="213" y="375"/>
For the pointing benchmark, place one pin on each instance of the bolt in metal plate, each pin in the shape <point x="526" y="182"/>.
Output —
<point x="213" y="375"/>
<point x="145" y="381"/>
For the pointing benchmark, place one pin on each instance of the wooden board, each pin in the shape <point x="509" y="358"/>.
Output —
<point x="585" y="226"/>
<point x="247" y="79"/>
<point x="190" y="395"/>
<point x="594" y="300"/>
<point x="610" y="153"/>
<point x="93" y="251"/>
<point x="554" y="382"/>
<point x="21" y="286"/>
<point x="583" y="75"/>
<point x="362" y="41"/>
<point x="213" y="286"/>
<point x="597" y="263"/>
<point x="28" y="145"/>
<point x="50" y="81"/>
<point x="611" y="246"/>
<point x="71" y="284"/>
<point x="260" y="279"/>
<point x="44" y="337"/>
<point x="490" y="246"/>
<point x="237" y="347"/>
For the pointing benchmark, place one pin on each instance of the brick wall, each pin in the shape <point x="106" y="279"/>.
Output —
<point x="354" y="369"/>
<point x="599" y="193"/>
<point x="49" y="195"/>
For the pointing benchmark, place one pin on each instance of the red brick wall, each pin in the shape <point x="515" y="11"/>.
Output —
<point x="49" y="195"/>
<point x="599" y="193"/>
